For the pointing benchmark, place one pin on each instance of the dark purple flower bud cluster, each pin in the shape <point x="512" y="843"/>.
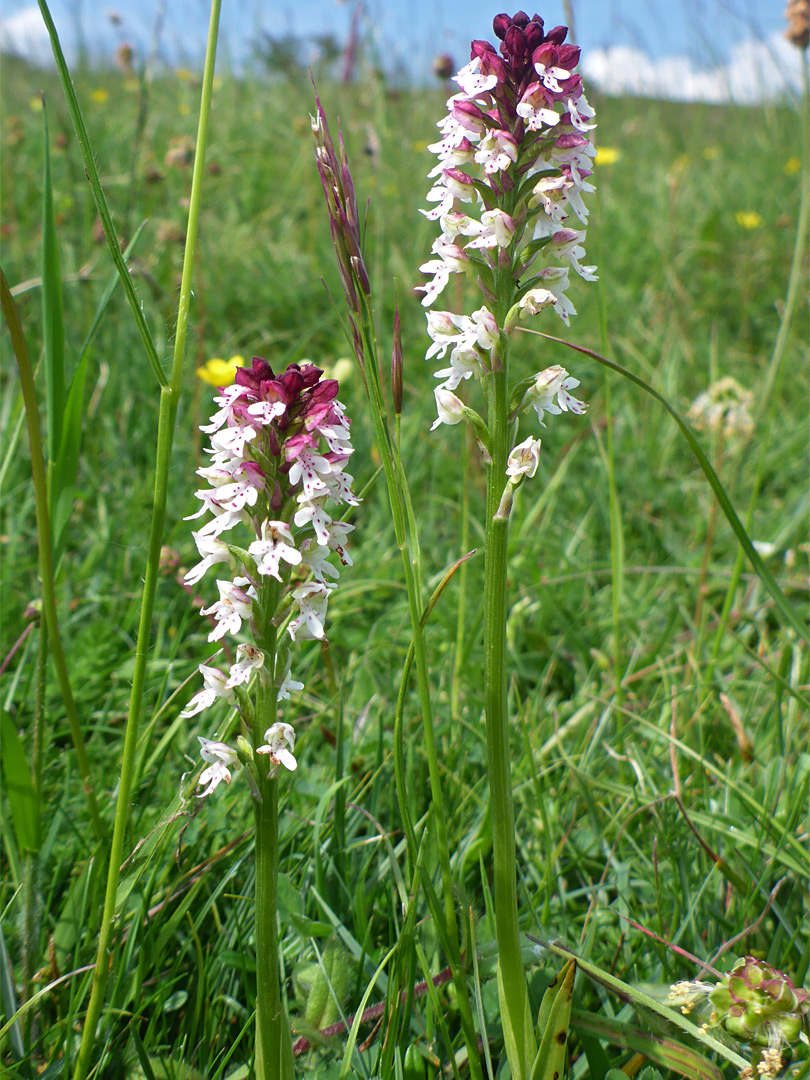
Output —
<point x="526" y="50"/>
<point x="271" y="422"/>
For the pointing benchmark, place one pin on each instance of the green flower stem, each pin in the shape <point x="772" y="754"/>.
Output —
<point x="46" y="572"/>
<point x="461" y="611"/>
<point x="169" y="397"/>
<point x="274" y="1058"/>
<point x="512" y="983"/>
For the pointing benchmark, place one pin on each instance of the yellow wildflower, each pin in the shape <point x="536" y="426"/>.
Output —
<point x="711" y="152"/>
<point x="218" y="372"/>
<point x="36" y="103"/>
<point x="607" y="155"/>
<point x="792" y="166"/>
<point x="100" y="95"/>
<point x="748" y="219"/>
<point x="183" y="74"/>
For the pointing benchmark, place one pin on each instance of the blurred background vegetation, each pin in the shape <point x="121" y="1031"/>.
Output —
<point x="693" y="229"/>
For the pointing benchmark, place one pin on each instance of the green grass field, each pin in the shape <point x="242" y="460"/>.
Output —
<point x="660" y="752"/>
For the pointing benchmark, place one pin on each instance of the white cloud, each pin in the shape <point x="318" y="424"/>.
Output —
<point x="756" y="71"/>
<point x="24" y="34"/>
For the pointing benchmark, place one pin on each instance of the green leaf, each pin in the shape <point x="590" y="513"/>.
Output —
<point x="639" y="999"/>
<point x="20" y="790"/>
<point x="8" y="999"/>
<point x="552" y="1026"/>
<point x="328" y="986"/>
<point x="82" y="897"/>
<point x="649" y="1073"/>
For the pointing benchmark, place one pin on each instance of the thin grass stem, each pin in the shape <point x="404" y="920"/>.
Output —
<point x="407" y="539"/>
<point x="169" y="397"/>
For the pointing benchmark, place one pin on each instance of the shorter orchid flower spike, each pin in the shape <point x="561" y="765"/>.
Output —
<point x="222" y="759"/>
<point x="279" y="744"/>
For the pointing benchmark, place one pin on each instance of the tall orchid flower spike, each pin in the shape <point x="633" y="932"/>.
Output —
<point x="512" y="174"/>
<point x="520" y="114"/>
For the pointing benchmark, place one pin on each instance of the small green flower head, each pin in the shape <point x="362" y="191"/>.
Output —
<point x="758" y="1004"/>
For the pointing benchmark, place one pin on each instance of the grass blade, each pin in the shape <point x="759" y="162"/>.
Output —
<point x="45" y="548"/>
<point x="64" y="467"/>
<point x="52" y="311"/>
<point x="764" y="574"/>
<point x="19" y="789"/>
<point x="638" y="998"/>
<point x="658" y="1049"/>
<point x="98" y="196"/>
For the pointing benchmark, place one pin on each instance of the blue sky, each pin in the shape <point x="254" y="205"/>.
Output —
<point x="680" y="48"/>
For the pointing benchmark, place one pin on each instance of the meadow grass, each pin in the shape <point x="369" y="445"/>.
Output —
<point x="660" y="767"/>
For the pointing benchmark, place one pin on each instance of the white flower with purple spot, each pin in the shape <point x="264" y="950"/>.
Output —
<point x="234" y="606"/>
<point x="553" y="383"/>
<point x="215" y="685"/>
<point x="524" y="459"/>
<point x="279" y="743"/>
<point x="276" y="543"/>
<point x="222" y="759"/>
